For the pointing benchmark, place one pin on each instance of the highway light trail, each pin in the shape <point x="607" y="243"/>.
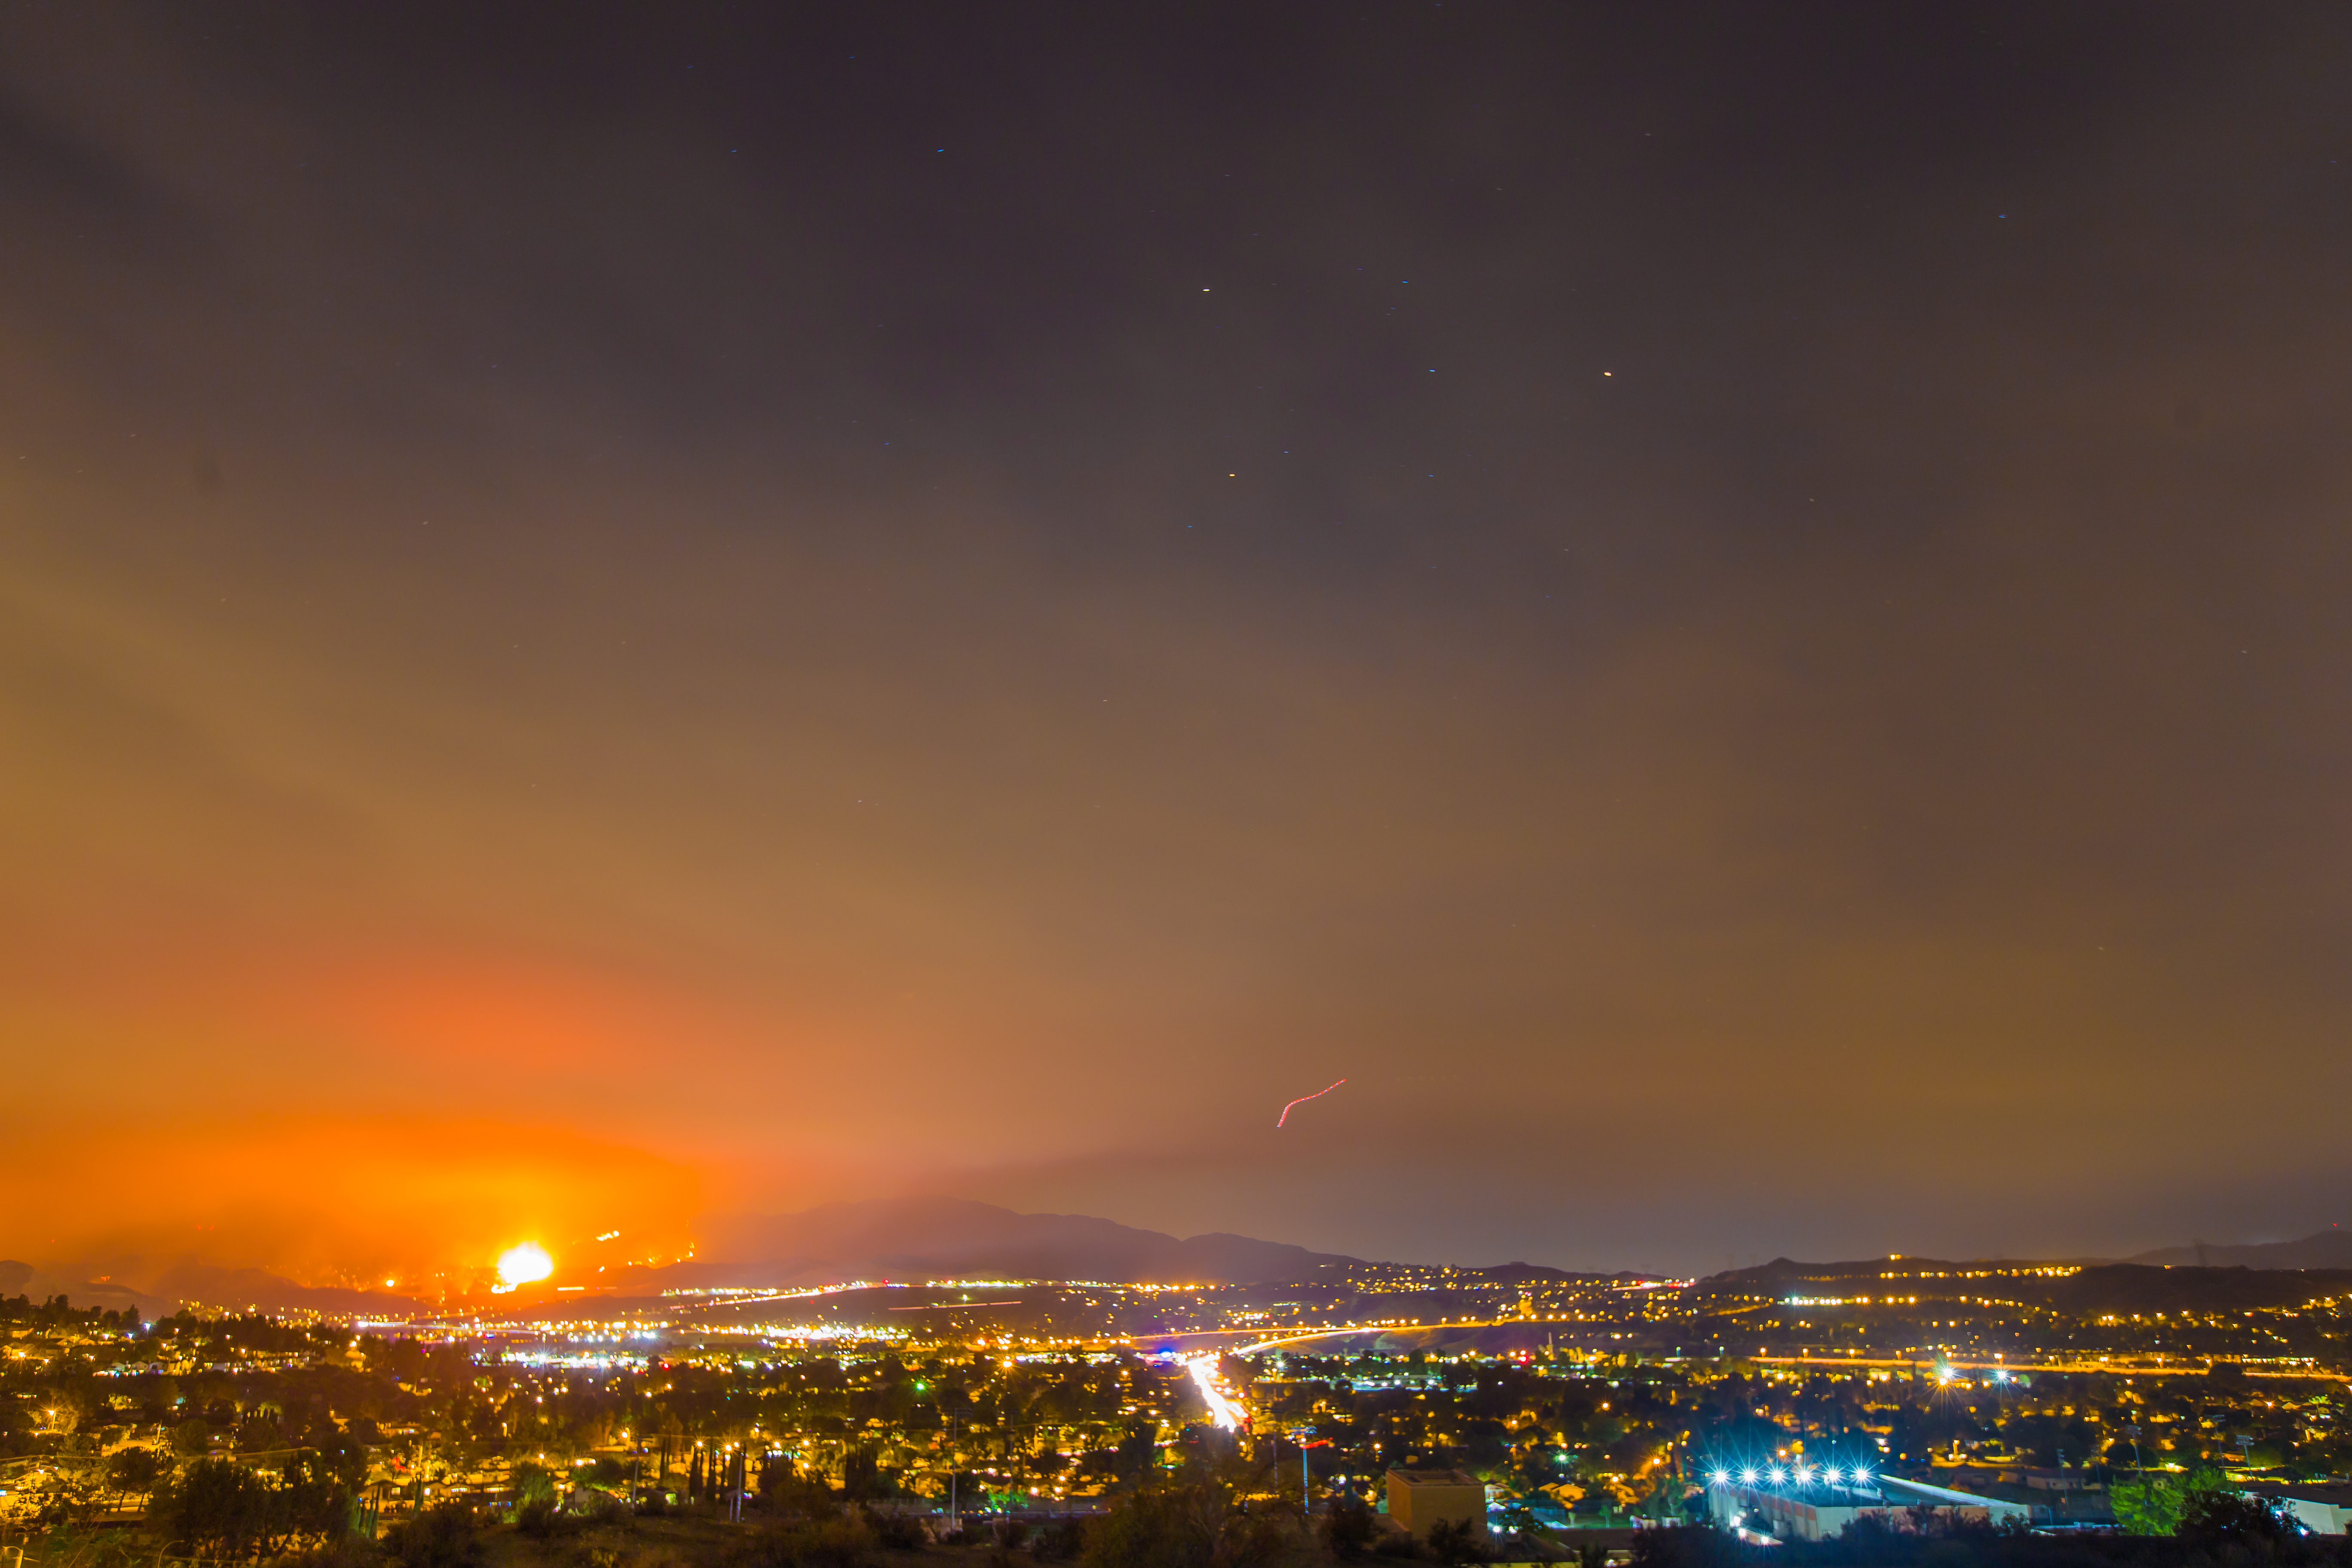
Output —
<point x="1304" y="1098"/>
<point x="1221" y="1410"/>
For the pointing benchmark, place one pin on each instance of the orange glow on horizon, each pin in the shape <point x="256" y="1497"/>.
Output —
<point x="335" y="1200"/>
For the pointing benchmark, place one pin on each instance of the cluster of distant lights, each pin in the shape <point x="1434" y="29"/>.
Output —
<point x="805" y="1333"/>
<point x="588" y="1361"/>
<point x="1781" y="1476"/>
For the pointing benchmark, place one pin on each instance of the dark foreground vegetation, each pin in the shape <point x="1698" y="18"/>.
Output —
<point x="1220" y="1512"/>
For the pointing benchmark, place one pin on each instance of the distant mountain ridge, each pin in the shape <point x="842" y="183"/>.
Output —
<point x="2329" y="1248"/>
<point x="2073" y="1287"/>
<point x="937" y="1238"/>
<point x="944" y="1237"/>
<point x="257" y="1290"/>
<point x="192" y="1284"/>
<point x="889" y="1239"/>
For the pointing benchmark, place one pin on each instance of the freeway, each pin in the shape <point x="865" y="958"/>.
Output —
<point x="1223" y="1409"/>
<point x="1269" y="1338"/>
<point x="1931" y="1364"/>
<point x="2093" y="1364"/>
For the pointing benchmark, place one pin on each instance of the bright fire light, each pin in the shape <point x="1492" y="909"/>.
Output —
<point x="522" y="1265"/>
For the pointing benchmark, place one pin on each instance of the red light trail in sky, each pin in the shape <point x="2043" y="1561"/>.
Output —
<point x="1304" y="1098"/>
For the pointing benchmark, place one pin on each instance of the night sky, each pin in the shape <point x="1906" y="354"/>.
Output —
<point x="615" y="617"/>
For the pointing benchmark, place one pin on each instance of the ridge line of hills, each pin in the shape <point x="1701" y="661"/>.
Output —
<point x="940" y="1238"/>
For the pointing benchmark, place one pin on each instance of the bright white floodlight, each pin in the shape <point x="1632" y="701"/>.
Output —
<point x="1747" y="1476"/>
<point x="1719" y="1478"/>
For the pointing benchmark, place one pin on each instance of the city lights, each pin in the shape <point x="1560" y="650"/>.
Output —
<point x="531" y="1360"/>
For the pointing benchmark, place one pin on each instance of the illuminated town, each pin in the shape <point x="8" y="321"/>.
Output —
<point x="1451" y="1412"/>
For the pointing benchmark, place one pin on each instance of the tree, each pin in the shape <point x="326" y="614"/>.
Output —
<point x="1137" y="1453"/>
<point x="1685" y="1546"/>
<point x="1349" y="1528"/>
<point x="1166" y="1526"/>
<point x="217" y="1508"/>
<point x="338" y="1455"/>
<point x="2218" y="1514"/>
<point x="532" y="1483"/>
<point x="1457" y="1541"/>
<point x="861" y="1476"/>
<point x="316" y="1497"/>
<point x="445" y="1537"/>
<point x="2154" y="1505"/>
<point x="136" y="1470"/>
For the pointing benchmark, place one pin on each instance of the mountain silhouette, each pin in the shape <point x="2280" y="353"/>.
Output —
<point x="936" y="1237"/>
<point x="2329" y="1248"/>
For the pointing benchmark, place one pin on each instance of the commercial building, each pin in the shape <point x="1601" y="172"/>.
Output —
<point x="1808" y="1505"/>
<point x="1419" y="1499"/>
<point x="2322" y="1510"/>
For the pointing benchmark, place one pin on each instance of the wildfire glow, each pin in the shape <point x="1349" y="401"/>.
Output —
<point x="522" y="1265"/>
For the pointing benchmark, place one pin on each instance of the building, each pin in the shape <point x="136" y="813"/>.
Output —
<point x="2322" y="1510"/>
<point x="1802" y="1505"/>
<point x="1419" y="1499"/>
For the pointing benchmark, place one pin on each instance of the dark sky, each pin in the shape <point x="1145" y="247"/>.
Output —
<point x="614" y="616"/>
